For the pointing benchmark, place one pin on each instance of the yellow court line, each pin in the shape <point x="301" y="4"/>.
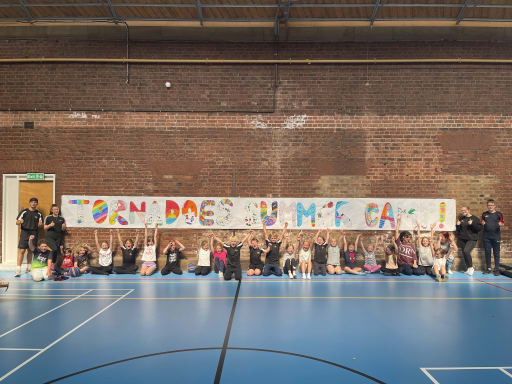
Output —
<point x="276" y="297"/>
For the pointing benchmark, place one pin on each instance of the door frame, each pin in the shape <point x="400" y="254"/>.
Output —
<point x="18" y="177"/>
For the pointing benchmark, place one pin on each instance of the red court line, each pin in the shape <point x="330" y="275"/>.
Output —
<point x="497" y="286"/>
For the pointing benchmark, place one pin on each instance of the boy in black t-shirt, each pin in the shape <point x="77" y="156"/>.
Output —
<point x="492" y="221"/>
<point x="272" y="260"/>
<point x="233" y="265"/>
<point x="320" y="257"/>
<point x="30" y="219"/>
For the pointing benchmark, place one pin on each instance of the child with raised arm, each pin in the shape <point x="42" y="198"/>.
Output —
<point x="148" y="266"/>
<point x="305" y="256"/>
<point x="370" y="261"/>
<point x="173" y="256"/>
<point x="42" y="261"/>
<point x="350" y="252"/>
<point x="104" y="256"/>
<point x="255" y="253"/>
<point x="204" y="265"/>
<point x="219" y="257"/>
<point x="289" y="258"/>
<point x="333" y="257"/>
<point x="320" y="256"/>
<point x="129" y="251"/>
<point x="425" y="247"/>
<point x="272" y="259"/>
<point x="407" y="261"/>
<point x="233" y="265"/>
<point x="391" y="268"/>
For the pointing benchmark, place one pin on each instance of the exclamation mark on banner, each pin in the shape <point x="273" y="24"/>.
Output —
<point x="442" y="214"/>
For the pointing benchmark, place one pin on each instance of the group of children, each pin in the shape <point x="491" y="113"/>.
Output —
<point x="322" y="255"/>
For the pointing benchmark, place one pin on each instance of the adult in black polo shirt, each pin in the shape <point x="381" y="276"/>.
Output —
<point x="492" y="221"/>
<point x="30" y="219"/>
<point x="55" y="225"/>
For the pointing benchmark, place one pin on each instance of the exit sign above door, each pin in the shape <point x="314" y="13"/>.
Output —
<point x="35" y="176"/>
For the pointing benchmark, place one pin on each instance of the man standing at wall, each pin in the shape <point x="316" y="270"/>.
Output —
<point x="30" y="219"/>
<point x="492" y="221"/>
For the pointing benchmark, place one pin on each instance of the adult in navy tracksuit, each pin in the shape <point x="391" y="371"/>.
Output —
<point x="468" y="227"/>
<point x="492" y="221"/>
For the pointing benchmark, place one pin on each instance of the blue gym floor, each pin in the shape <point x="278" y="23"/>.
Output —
<point x="187" y="329"/>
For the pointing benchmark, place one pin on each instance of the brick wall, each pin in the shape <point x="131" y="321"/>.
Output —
<point x="261" y="130"/>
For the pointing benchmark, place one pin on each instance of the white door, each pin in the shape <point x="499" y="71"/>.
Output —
<point x="12" y="204"/>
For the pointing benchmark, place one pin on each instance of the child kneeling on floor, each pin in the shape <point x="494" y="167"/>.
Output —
<point x="173" y="256"/>
<point x="41" y="261"/>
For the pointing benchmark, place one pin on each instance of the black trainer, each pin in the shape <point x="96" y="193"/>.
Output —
<point x="487" y="271"/>
<point x="496" y="273"/>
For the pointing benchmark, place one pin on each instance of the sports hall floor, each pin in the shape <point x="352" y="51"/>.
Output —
<point x="187" y="329"/>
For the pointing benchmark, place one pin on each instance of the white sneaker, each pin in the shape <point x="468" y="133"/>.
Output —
<point x="294" y="274"/>
<point x="449" y="271"/>
<point x="470" y="271"/>
<point x="18" y="272"/>
<point x="221" y="275"/>
<point x="290" y="275"/>
<point x="304" y="276"/>
<point x="309" y="276"/>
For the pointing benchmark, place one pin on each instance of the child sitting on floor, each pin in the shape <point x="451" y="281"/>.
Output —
<point x="105" y="256"/>
<point x="370" y="262"/>
<point x="219" y="257"/>
<point x="173" y="256"/>
<point x="289" y="259"/>
<point x="204" y="266"/>
<point x="350" y="256"/>
<point x="149" y="254"/>
<point x="41" y="261"/>
<point x="305" y="256"/>
<point x="333" y="257"/>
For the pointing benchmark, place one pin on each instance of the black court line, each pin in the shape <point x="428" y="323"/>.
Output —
<point x="222" y="357"/>
<point x="375" y="380"/>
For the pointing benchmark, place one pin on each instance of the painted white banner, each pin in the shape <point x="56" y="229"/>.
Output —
<point x="244" y="213"/>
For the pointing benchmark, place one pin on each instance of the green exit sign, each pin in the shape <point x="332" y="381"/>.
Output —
<point x="35" y="176"/>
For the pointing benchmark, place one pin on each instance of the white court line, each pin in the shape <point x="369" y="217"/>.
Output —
<point x="20" y="349"/>
<point x="462" y="368"/>
<point x="62" y="337"/>
<point x="424" y="370"/>
<point x="506" y="373"/>
<point x="66" y="289"/>
<point x="44" y="314"/>
<point x="56" y="295"/>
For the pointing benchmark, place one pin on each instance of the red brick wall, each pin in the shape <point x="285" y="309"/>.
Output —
<point x="413" y="131"/>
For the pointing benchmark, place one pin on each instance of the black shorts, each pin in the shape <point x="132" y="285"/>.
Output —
<point x="24" y="235"/>
<point x="256" y="266"/>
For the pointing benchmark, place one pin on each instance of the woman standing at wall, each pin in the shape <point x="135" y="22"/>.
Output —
<point x="55" y="226"/>
<point x="468" y="226"/>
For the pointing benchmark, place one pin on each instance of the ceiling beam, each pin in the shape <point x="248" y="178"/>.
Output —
<point x="374" y="12"/>
<point x="199" y="12"/>
<point x="460" y="16"/>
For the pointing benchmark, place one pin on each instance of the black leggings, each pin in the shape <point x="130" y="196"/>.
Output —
<point x="390" y="272"/>
<point x="466" y="247"/>
<point x="202" y="270"/>
<point x="126" y="269"/>
<point x="290" y="265"/>
<point x="168" y="269"/>
<point x="101" y="270"/>
<point x="231" y="269"/>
